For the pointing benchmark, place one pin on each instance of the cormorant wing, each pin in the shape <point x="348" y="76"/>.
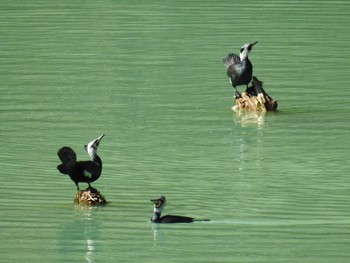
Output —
<point x="230" y="60"/>
<point x="67" y="156"/>
<point x="176" y="219"/>
<point x="90" y="168"/>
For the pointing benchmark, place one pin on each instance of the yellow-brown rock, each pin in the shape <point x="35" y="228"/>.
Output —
<point x="255" y="98"/>
<point x="90" y="197"/>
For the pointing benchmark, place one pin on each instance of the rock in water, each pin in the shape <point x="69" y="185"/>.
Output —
<point x="255" y="98"/>
<point x="91" y="197"/>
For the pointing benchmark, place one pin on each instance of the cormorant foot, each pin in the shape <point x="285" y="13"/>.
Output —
<point x="91" y="189"/>
<point x="237" y="95"/>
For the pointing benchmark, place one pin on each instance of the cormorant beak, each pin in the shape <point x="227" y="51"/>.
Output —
<point x="251" y="45"/>
<point x="95" y="143"/>
<point x="154" y="200"/>
<point x="158" y="201"/>
<point x="98" y="140"/>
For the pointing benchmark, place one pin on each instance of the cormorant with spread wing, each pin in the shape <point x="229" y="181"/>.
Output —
<point x="81" y="171"/>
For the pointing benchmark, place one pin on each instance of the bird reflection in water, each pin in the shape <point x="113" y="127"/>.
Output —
<point x="250" y="118"/>
<point x="90" y="249"/>
<point x="157" y="237"/>
<point x="79" y="233"/>
<point x="86" y="229"/>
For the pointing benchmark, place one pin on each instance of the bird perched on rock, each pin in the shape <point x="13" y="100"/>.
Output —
<point x="81" y="171"/>
<point x="239" y="68"/>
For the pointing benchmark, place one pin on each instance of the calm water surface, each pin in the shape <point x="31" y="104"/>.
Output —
<point x="149" y="75"/>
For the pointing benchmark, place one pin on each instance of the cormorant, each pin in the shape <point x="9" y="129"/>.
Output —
<point x="239" y="68"/>
<point x="81" y="171"/>
<point x="159" y="204"/>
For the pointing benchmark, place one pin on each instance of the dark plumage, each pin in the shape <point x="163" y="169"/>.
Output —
<point x="81" y="171"/>
<point x="239" y="68"/>
<point x="169" y="219"/>
<point x="159" y="204"/>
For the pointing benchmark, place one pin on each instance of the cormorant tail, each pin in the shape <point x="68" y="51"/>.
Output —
<point x="201" y="220"/>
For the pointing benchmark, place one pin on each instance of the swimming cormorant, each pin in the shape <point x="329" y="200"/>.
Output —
<point x="239" y="68"/>
<point x="81" y="171"/>
<point x="159" y="204"/>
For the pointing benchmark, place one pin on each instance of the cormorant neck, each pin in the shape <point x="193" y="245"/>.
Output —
<point x="155" y="216"/>
<point x="96" y="159"/>
<point x="243" y="56"/>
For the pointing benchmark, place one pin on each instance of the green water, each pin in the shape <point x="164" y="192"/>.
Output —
<point x="149" y="75"/>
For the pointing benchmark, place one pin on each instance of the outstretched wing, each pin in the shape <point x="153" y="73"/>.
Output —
<point x="230" y="60"/>
<point x="67" y="156"/>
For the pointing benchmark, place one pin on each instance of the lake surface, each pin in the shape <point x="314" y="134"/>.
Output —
<point x="149" y="75"/>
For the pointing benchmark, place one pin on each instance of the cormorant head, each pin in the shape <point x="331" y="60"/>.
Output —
<point x="159" y="203"/>
<point x="243" y="54"/>
<point x="92" y="146"/>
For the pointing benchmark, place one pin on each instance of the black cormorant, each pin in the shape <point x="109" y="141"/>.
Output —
<point x="159" y="204"/>
<point x="81" y="171"/>
<point x="239" y="68"/>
